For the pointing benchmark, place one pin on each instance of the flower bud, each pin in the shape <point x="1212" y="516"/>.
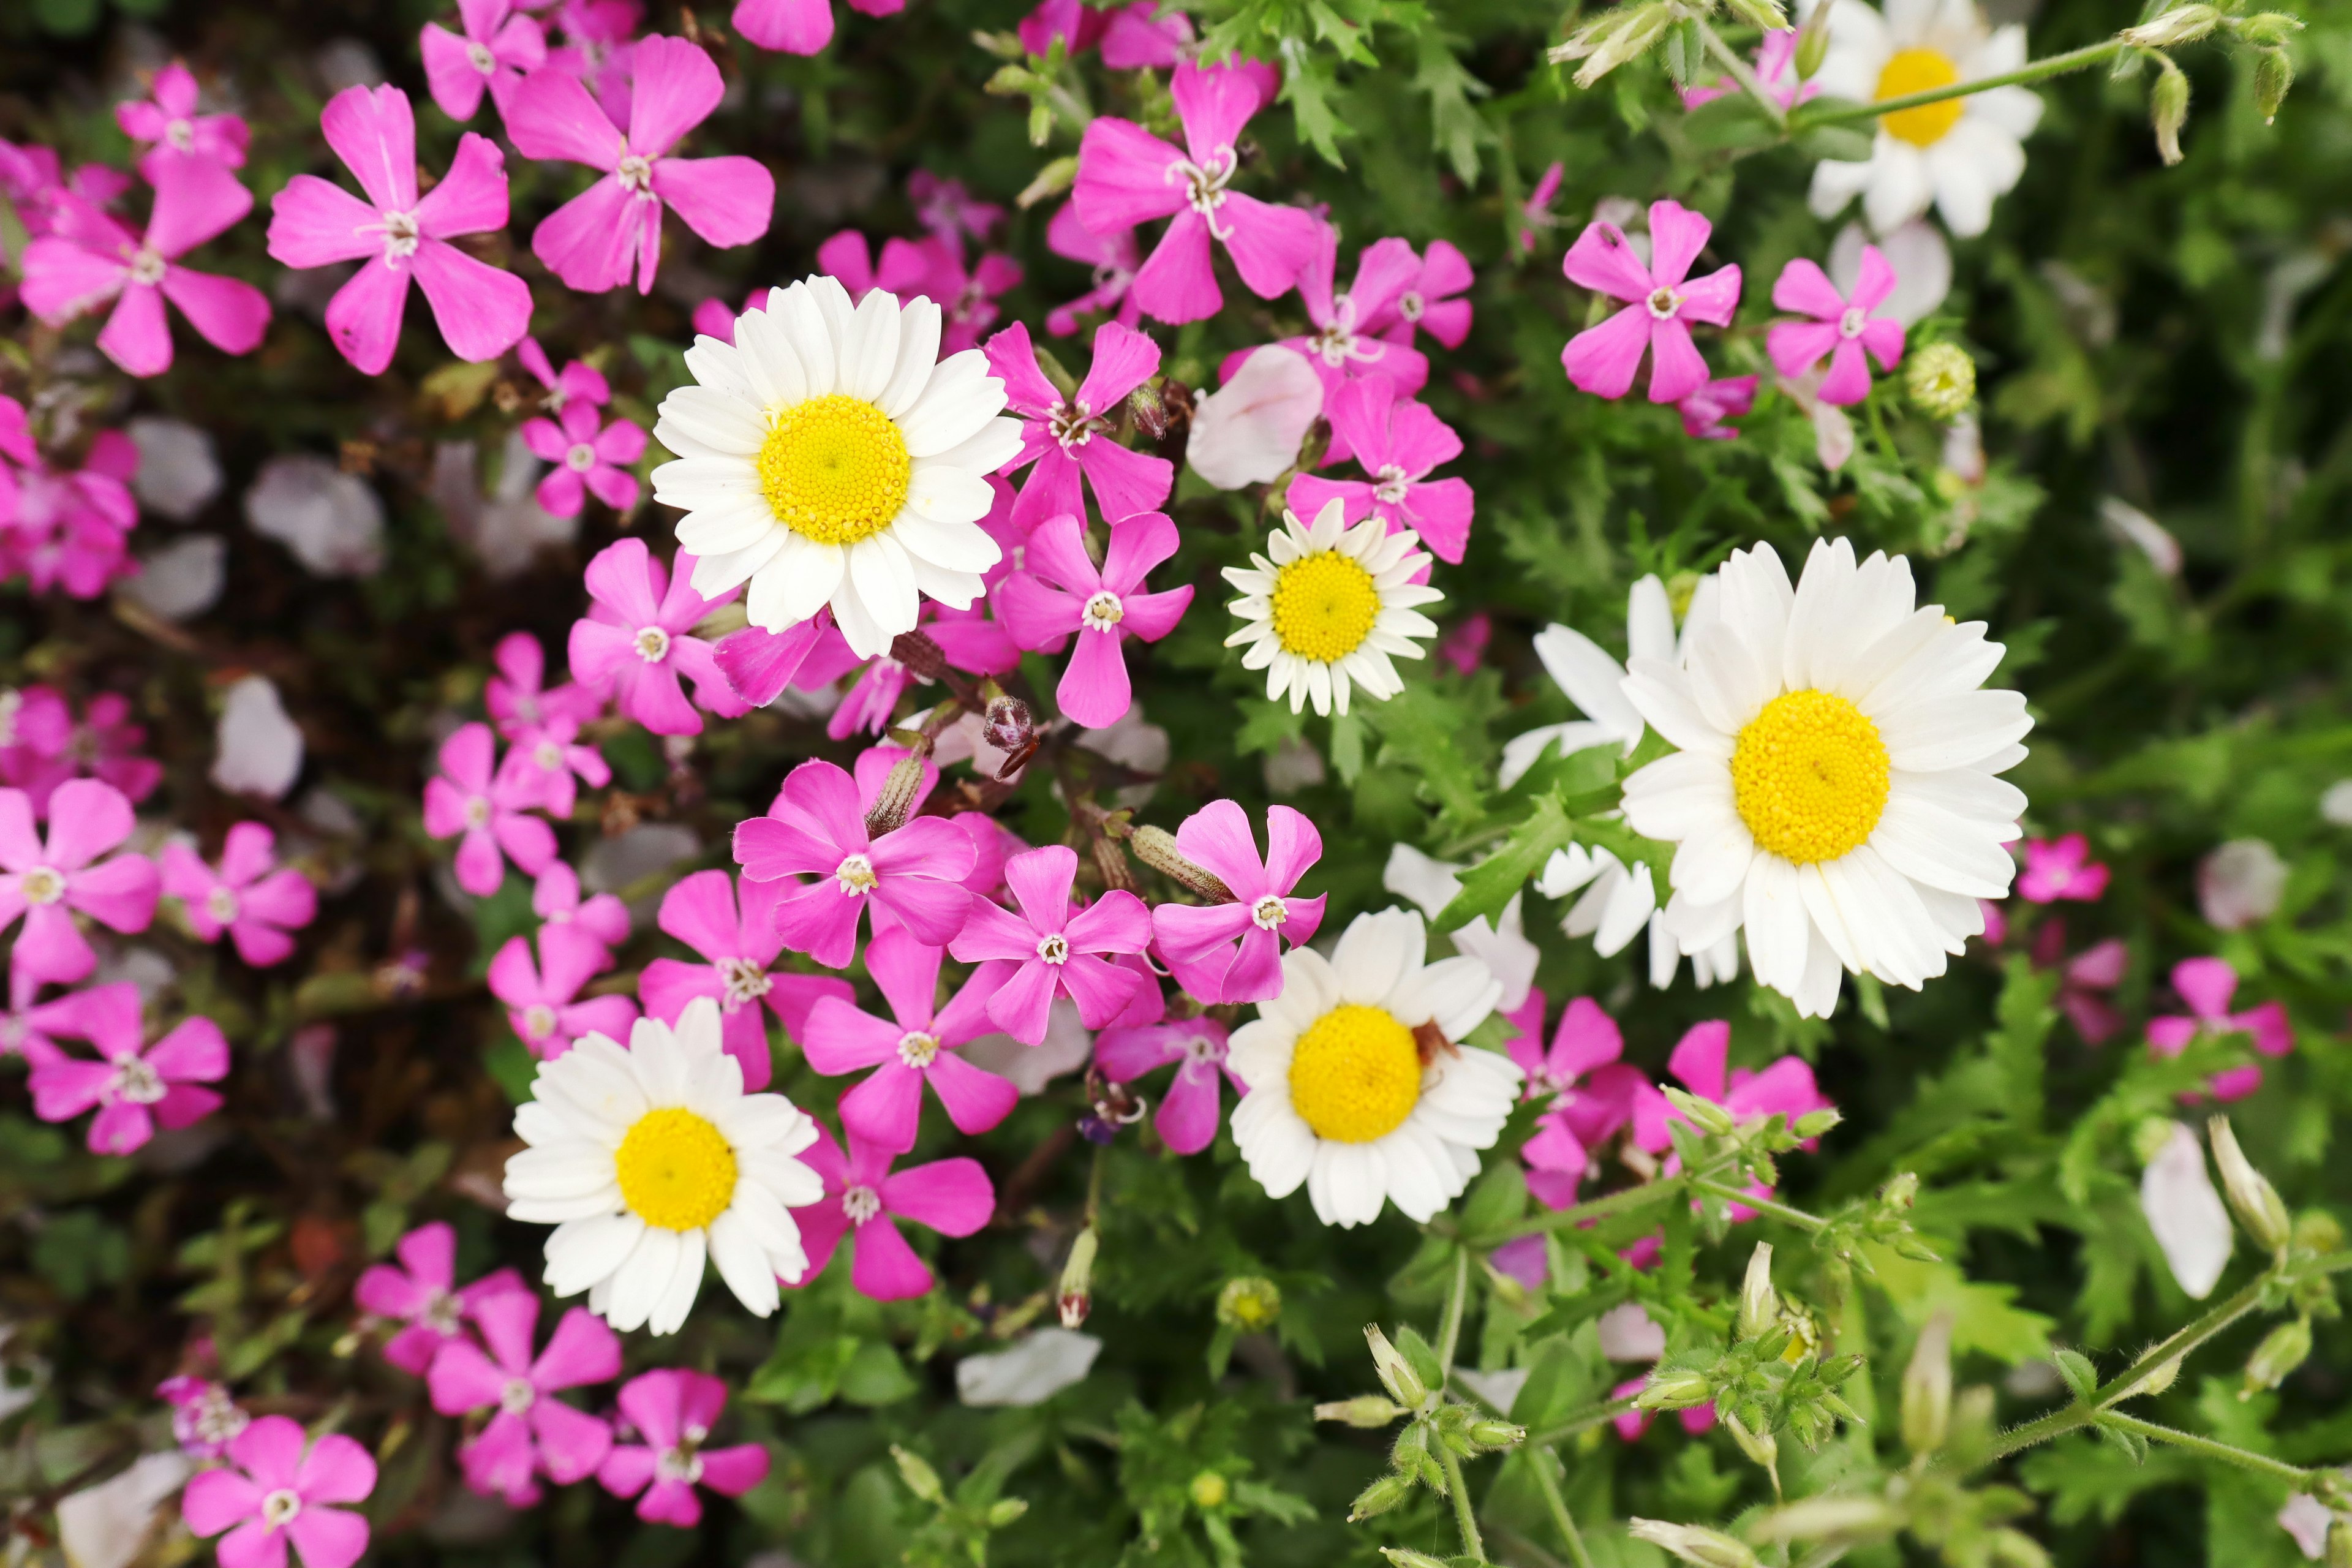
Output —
<point x="1813" y="1124"/>
<point x="2274" y="75"/>
<point x="1396" y="1374"/>
<point x="1249" y="1302"/>
<point x="1693" y="1544"/>
<point x="901" y="792"/>
<point x="1406" y="1557"/>
<point x="1759" y="1304"/>
<point x="2167" y="107"/>
<point x="1765" y="15"/>
<point x="1209" y="1490"/>
<point x="2255" y="1201"/>
<point x="1835" y="1518"/>
<point x="1706" y="1112"/>
<point x="920" y="655"/>
<point x="1005" y="1510"/>
<point x="1761" y="1448"/>
<point x="1008" y="725"/>
<point x="2339" y="1545"/>
<point x="1814" y="42"/>
<point x="1677" y="1390"/>
<point x="2282" y="1350"/>
<point x="1490" y="1435"/>
<point x="1366" y="1410"/>
<point x="1379" y="1498"/>
<point x="2269" y="27"/>
<point x="2182" y="25"/>
<point x="920" y="1478"/>
<point x="2159" y="1378"/>
<point x="2317" y="1231"/>
<point x="1942" y="381"/>
<point x="1156" y="847"/>
<point x="1928" y="1387"/>
<point x="1077" y="1296"/>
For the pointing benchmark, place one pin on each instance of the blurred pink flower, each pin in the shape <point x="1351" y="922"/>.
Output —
<point x="1466" y="645"/>
<point x="1708" y="411"/>
<point x="919" y="1047"/>
<point x="966" y="296"/>
<point x="1114" y="258"/>
<point x="540" y="996"/>
<point x="1065" y="438"/>
<point x="2207" y="984"/>
<point x="549" y="762"/>
<point x="1590" y="1093"/>
<point x="277" y="1491"/>
<point x="599" y="49"/>
<point x="555" y="898"/>
<point x="950" y="211"/>
<point x="969" y="639"/>
<point x="588" y="454"/>
<point x="518" y="699"/>
<point x="637" y="641"/>
<point x="254" y="901"/>
<point x="167" y="121"/>
<point x="579" y="379"/>
<point x="473" y="798"/>
<point x="2060" y="869"/>
<point x="1431" y="302"/>
<point x="49" y="883"/>
<point x="420" y="1294"/>
<point x="497" y="50"/>
<point x="1660" y="305"/>
<point x="1785" y="1088"/>
<point x="1776" y="60"/>
<point x="2097" y="969"/>
<point x="1062" y="594"/>
<point x="674" y="1412"/>
<point x="204" y="1417"/>
<point x="1132" y="38"/>
<point x="1398" y="442"/>
<point x="1534" y="212"/>
<point x="1844" y="330"/>
<point x="739" y="954"/>
<point x="904" y="270"/>
<point x="529" y="1433"/>
<point x="1189" y="1112"/>
<point x="134" y="1089"/>
<point x="864" y="1201"/>
<point x="1058" y="949"/>
<point x="799" y="27"/>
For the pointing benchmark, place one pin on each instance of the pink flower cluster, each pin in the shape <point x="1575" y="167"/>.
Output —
<point x="65" y="528"/>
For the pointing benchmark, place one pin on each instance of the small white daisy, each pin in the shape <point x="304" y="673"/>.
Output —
<point x="645" y="1160"/>
<point x="1330" y="605"/>
<point x="1358" y="1087"/>
<point x="1833" y="797"/>
<point x="829" y="455"/>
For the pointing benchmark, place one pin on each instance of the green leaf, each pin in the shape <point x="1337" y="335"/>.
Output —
<point x="1488" y="886"/>
<point x="1734" y="122"/>
<point x="1455" y="129"/>
<point x="876" y="1375"/>
<point x="2076" y="1369"/>
<point x="1498" y="1198"/>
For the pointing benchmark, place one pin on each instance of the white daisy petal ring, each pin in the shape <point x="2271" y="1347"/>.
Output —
<point x="1329" y="606"/>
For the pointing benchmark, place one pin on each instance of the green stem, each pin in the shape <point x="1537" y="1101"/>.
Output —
<point x="1466" y="1518"/>
<point x="1584" y="1420"/>
<point x="1778" y="1211"/>
<point x="2229" y="1453"/>
<point x="2039" y="70"/>
<point x="1736" y="68"/>
<point x="1625" y="1201"/>
<point x="1449" y="1327"/>
<point x="1540" y="1459"/>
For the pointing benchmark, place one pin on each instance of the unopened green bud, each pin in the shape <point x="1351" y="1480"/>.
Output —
<point x="1902" y="1190"/>
<point x="2269" y="27"/>
<point x="1625" y="33"/>
<point x="1368" y="1411"/>
<point x="1156" y="847"/>
<point x="1209" y="1490"/>
<point x="1706" y="1112"/>
<point x="2274" y="75"/>
<point x="1814" y="42"/>
<point x="1406" y="1557"/>
<point x="2182" y="25"/>
<point x="1928" y="1387"/>
<point x="1761" y="1448"/>
<point x="1674" y="1391"/>
<point x="2254" y="1199"/>
<point x="1942" y="381"/>
<point x="1830" y="1518"/>
<point x="1759" y="1304"/>
<point x="1407" y="1454"/>
<point x="1077" y="1296"/>
<point x="1765" y="14"/>
<point x="2168" y="108"/>
<point x="1396" y="1374"/>
<point x="2282" y="1350"/>
<point x="1249" y="1302"/>
<point x="2159" y="1378"/>
<point x="1813" y="1124"/>
<point x="1005" y="1510"/>
<point x="1492" y="1435"/>
<point x="2317" y="1231"/>
<point x="920" y="1478"/>
<point x="1693" y="1544"/>
<point x="1379" y="1498"/>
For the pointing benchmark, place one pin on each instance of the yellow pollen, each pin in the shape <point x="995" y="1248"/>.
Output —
<point x="1918" y="70"/>
<point x="677" y="1170"/>
<point x="1355" y="1074"/>
<point x="1324" y="606"/>
<point x="1809" y="776"/>
<point x="834" y="468"/>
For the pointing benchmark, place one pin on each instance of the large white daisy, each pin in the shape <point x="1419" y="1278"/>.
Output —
<point x="1834" y="794"/>
<point x="1358" y="1086"/>
<point x="645" y="1160"/>
<point x="1328" y="606"/>
<point x="1957" y="155"/>
<point x="829" y="455"/>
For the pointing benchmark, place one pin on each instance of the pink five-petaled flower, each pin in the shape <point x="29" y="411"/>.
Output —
<point x="1127" y="175"/>
<point x="634" y="642"/>
<point x="701" y="912"/>
<point x="555" y="898"/>
<point x="549" y="762"/>
<point x="278" y="1492"/>
<point x="48" y="883"/>
<point x="967" y="638"/>
<point x="1114" y="257"/>
<point x="589" y="455"/>
<point x="481" y="310"/>
<point x="540" y="997"/>
<point x="674" y="1412"/>
<point x="1397" y="443"/>
<point x="865" y="1199"/>
<point x="966" y="296"/>
<point x="949" y="210"/>
<point x="1842" y="328"/>
<point x="579" y="378"/>
<point x="2060" y="869"/>
<point x="1660" y="305"/>
<point x="799" y="27"/>
<point x="2207" y="984"/>
<point x="1058" y="952"/>
<point x="169" y="124"/>
<point x="1343" y="347"/>
<point x="104" y="745"/>
<point x="487" y="805"/>
<point x="1774" y="58"/>
<point x="517" y="696"/>
<point x="1233" y="951"/>
<point x="2085" y="980"/>
<point x="132" y="1089"/>
<point x="420" y="1294"/>
<point x="205" y="1418"/>
<point x="88" y="259"/>
<point x="1069" y="437"/>
<point x="1785" y="1087"/>
<point x="1708" y="411"/>
<point x="1062" y="594"/>
<point x="257" y="904"/>
<point x="497" y="49"/>
<point x="920" y="1048"/>
<point x="1592" y="1094"/>
<point x="1433" y="302"/>
<point x="593" y="240"/>
<point x="1187" y="1118"/>
<point x="1133" y="37"/>
<point x="531" y="1434"/>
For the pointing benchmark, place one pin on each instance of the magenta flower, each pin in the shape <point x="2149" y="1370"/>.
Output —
<point x="1114" y="258"/>
<point x="599" y="49"/>
<point x="2207" y="984"/>
<point x="540" y="997"/>
<point x="1841" y="329"/>
<point x="865" y="1199"/>
<point x="701" y="912"/>
<point x="904" y="270"/>
<point x="1397" y="443"/>
<point x="1592" y="1094"/>
<point x="497" y="50"/>
<point x="32" y="1029"/>
<point x="48" y="883"/>
<point x="1068" y="438"/>
<point x="248" y="897"/>
<point x="2085" y="980"/>
<point x="132" y="1089"/>
<point x="1431" y="303"/>
<point x="809" y="656"/>
<point x="206" y="1418"/>
<point x="481" y="310"/>
<point x="1062" y="594"/>
<point x="918" y="1048"/>
<point x="35" y="726"/>
<point x="947" y="209"/>
<point x="1776" y="60"/>
<point x="1133" y="37"/>
<point x="816" y="828"/>
<point x="1188" y="1114"/>
<point x="168" y="122"/>
<point x="470" y="797"/>
<point x="589" y="455"/>
<point x="547" y="762"/>
<point x="555" y="898"/>
<point x="592" y="241"/>
<point x="1127" y="175"/>
<point x="970" y="641"/>
<point x="531" y="1434"/>
<point x="1058" y="950"/>
<point x="1534" y="212"/>
<point x="105" y="745"/>
<point x="278" y="1492"/>
<point x="966" y="296"/>
<point x="1785" y="1087"/>
<point x="799" y="27"/>
<point x="518" y="698"/>
<point x="1660" y="305"/>
<point x="635" y="641"/>
<point x="674" y="1412"/>
<point x="578" y="380"/>
<point x="1708" y="411"/>
<point x="2060" y="869"/>
<point x="70" y="526"/>
<point x="1233" y="951"/>
<point x="1343" y="347"/>
<point x="420" y="1294"/>
<point x="1464" y="647"/>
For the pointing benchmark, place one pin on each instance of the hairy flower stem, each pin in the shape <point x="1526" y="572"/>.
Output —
<point x="1738" y="69"/>
<point x="1778" y="1211"/>
<point x="1466" y="1518"/>
<point x="1584" y="1420"/>
<point x="1549" y="1484"/>
<point x="2296" y="1476"/>
<point x="1457" y="1297"/>
<point x="2038" y="70"/>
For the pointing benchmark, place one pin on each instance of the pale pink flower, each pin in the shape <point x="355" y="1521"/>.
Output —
<point x="496" y="50"/>
<point x="2207" y="984"/>
<point x="1062" y="594"/>
<point x="919" y="1047"/>
<point x="2060" y="869"/>
<point x="135" y="1089"/>
<point x="579" y="379"/>
<point x="738" y="952"/>
<point x="674" y="1412"/>
<point x="1343" y="346"/>
<point x="1776" y="72"/>
<point x="542" y="999"/>
<point x="1534" y="212"/>
<point x="971" y="641"/>
<point x="1065" y="438"/>
<point x="1132" y="38"/>
<point x="589" y="455"/>
<point x="35" y="727"/>
<point x="864" y="1201"/>
<point x="2085" y="980"/>
<point x="555" y="898"/>
<point x="1431" y="302"/>
<point x="1397" y="442"/>
<point x="71" y="527"/>
<point x="1590" y="1093"/>
<point x="1843" y="328"/>
<point x="517" y="696"/>
<point x="1708" y="411"/>
<point x="530" y="1433"/>
<point x="799" y="27"/>
<point x="278" y="1491"/>
<point x="636" y="640"/>
<point x="1114" y="258"/>
<point x="1660" y="305"/>
<point x="205" y="1418"/>
<point x="1233" y="951"/>
<point x="49" y="883"/>
<point x="167" y="121"/>
<point x="482" y="311"/>
<point x="472" y="797"/>
<point x="1058" y="950"/>
<point x="256" y="902"/>
<point x="1189" y="1112"/>
<point x="947" y="209"/>
<point x="420" y="1294"/>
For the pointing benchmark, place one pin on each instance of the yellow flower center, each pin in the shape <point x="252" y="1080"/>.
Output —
<point x="1809" y="776"/>
<point x="834" y="468"/>
<point x="677" y="1170"/>
<point x="1920" y="71"/>
<point x="1355" y="1074"/>
<point x="1324" y="606"/>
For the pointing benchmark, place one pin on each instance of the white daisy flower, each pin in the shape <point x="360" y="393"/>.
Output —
<point x="1330" y="605"/>
<point x="1357" y="1085"/>
<point x="1833" y="795"/>
<point x="1957" y="155"/>
<point x="645" y="1160"/>
<point x="829" y="455"/>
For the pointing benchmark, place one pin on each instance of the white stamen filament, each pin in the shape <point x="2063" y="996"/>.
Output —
<point x="1205" y="188"/>
<point x="1054" y="949"/>
<point x="1102" y="611"/>
<point x="861" y="1204"/>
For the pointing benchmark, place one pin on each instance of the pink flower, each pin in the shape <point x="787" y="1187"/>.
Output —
<point x="920" y="1048"/>
<point x="556" y="899"/>
<point x="277" y="1492"/>
<point x="88" y="259"/>
<point x="168" y="122"/>
<point x="948" y="210"/>
<point x="32" y="1029"/>
<point x="49" y="883"/>
<point x="591" y="240"/>
<point x="1465" y="646"/>
<point x="517" y="696"/>
<point x="1785" y="1087"/>
<point x="105" y="745"/>
<point x="1062" y="594"/>
<point x="599" y="49"/>
<point x="674" y="1412"/>
<point x="1535" y="213"/>
<point x="1233" y="951"/>
<point x="498" y="51"/>
<point x="701" y="912"/>
<point x="132" y="1089"/>
<point x="547" y="762"/>
<point x="1708" y="411"/>
<point x="816" y="828"/>
<point x="1776" y="60"/>
<point x="1343" y="347"/>
<point x="487" y="806"/>
<point x="2060" y="869"/>
<point x="635" y="641"/>
<point x="1397" y="443"/>
<point x="589" y="455"/>
<point x="206" y="1418"/>
<point x="905" y="269"/>
<point x="1591" y="1093"/>
<point x="1127" y="175"/>
<point x="529" y="1433"/>
<point x="35" y="727"/>
<point x="864" y="1199"/>
<point x="2207" y="984"/>
<point x="1660" y="305"/>
<point x="966" y="296"/>
<point x="256" y="904"/>
<point x="1132" y="36"/>
<point x="799" y="27"/>
<point x="579" y="379"/>
<point x="1187" y="1118"/>
<point x="1114" y="258"/>
<point x="1066" y="437"/>
<point x="1841" y="329"/>
<point x="1431" y="301"/>
<point x="540" y="996"/>
<point x="1058" y="950"/>
<point x="809" y="656"/>
<point x="70" y="527"/>
<point x="2092" y="972"/>
<point x="419" y="1293"/>
<point x="971" y="641"/>
<point x="482" y="311"/>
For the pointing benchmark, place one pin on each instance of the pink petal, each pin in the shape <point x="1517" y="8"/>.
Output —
<point x="374" y="132"/>
<point x="1177" y="283"/>
<point x="329" y="1537"/>
<point x="1848" y="381"/>
<point x="1804" y="288"/>
<point x="1675" y="368"/>
<point x="313" y="223"/>
<point x="791" y="27"/>
<point x="1269" y="244"/>
<point x="1676" y="236"/>
<point x="364" y="318"/>
<point x="884" y="1267"/>
<point x="471" y="197"/>
<point x="1122" y="177"/>
<point x="229" y="314"/>
<point x="675" y="89"/>
<point x="1602" y="360"/>
<point x="1797" y="346"/>
<point x="1601" y="259"/>
<point x="1711" y="299"/>
<point x="571" y="1443"/>
<point x="1101" y="989"/>
<point x="732" y="1471"/>
<point x="954" y="1197"/>
<point x="2206" y="985"/>
<point x="974" y="1098"/>
<point x="482" y="311"/>
<point x="552" y="116"/>
<point x="727" y="201"/>
<point x="1698" y="1057"/>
